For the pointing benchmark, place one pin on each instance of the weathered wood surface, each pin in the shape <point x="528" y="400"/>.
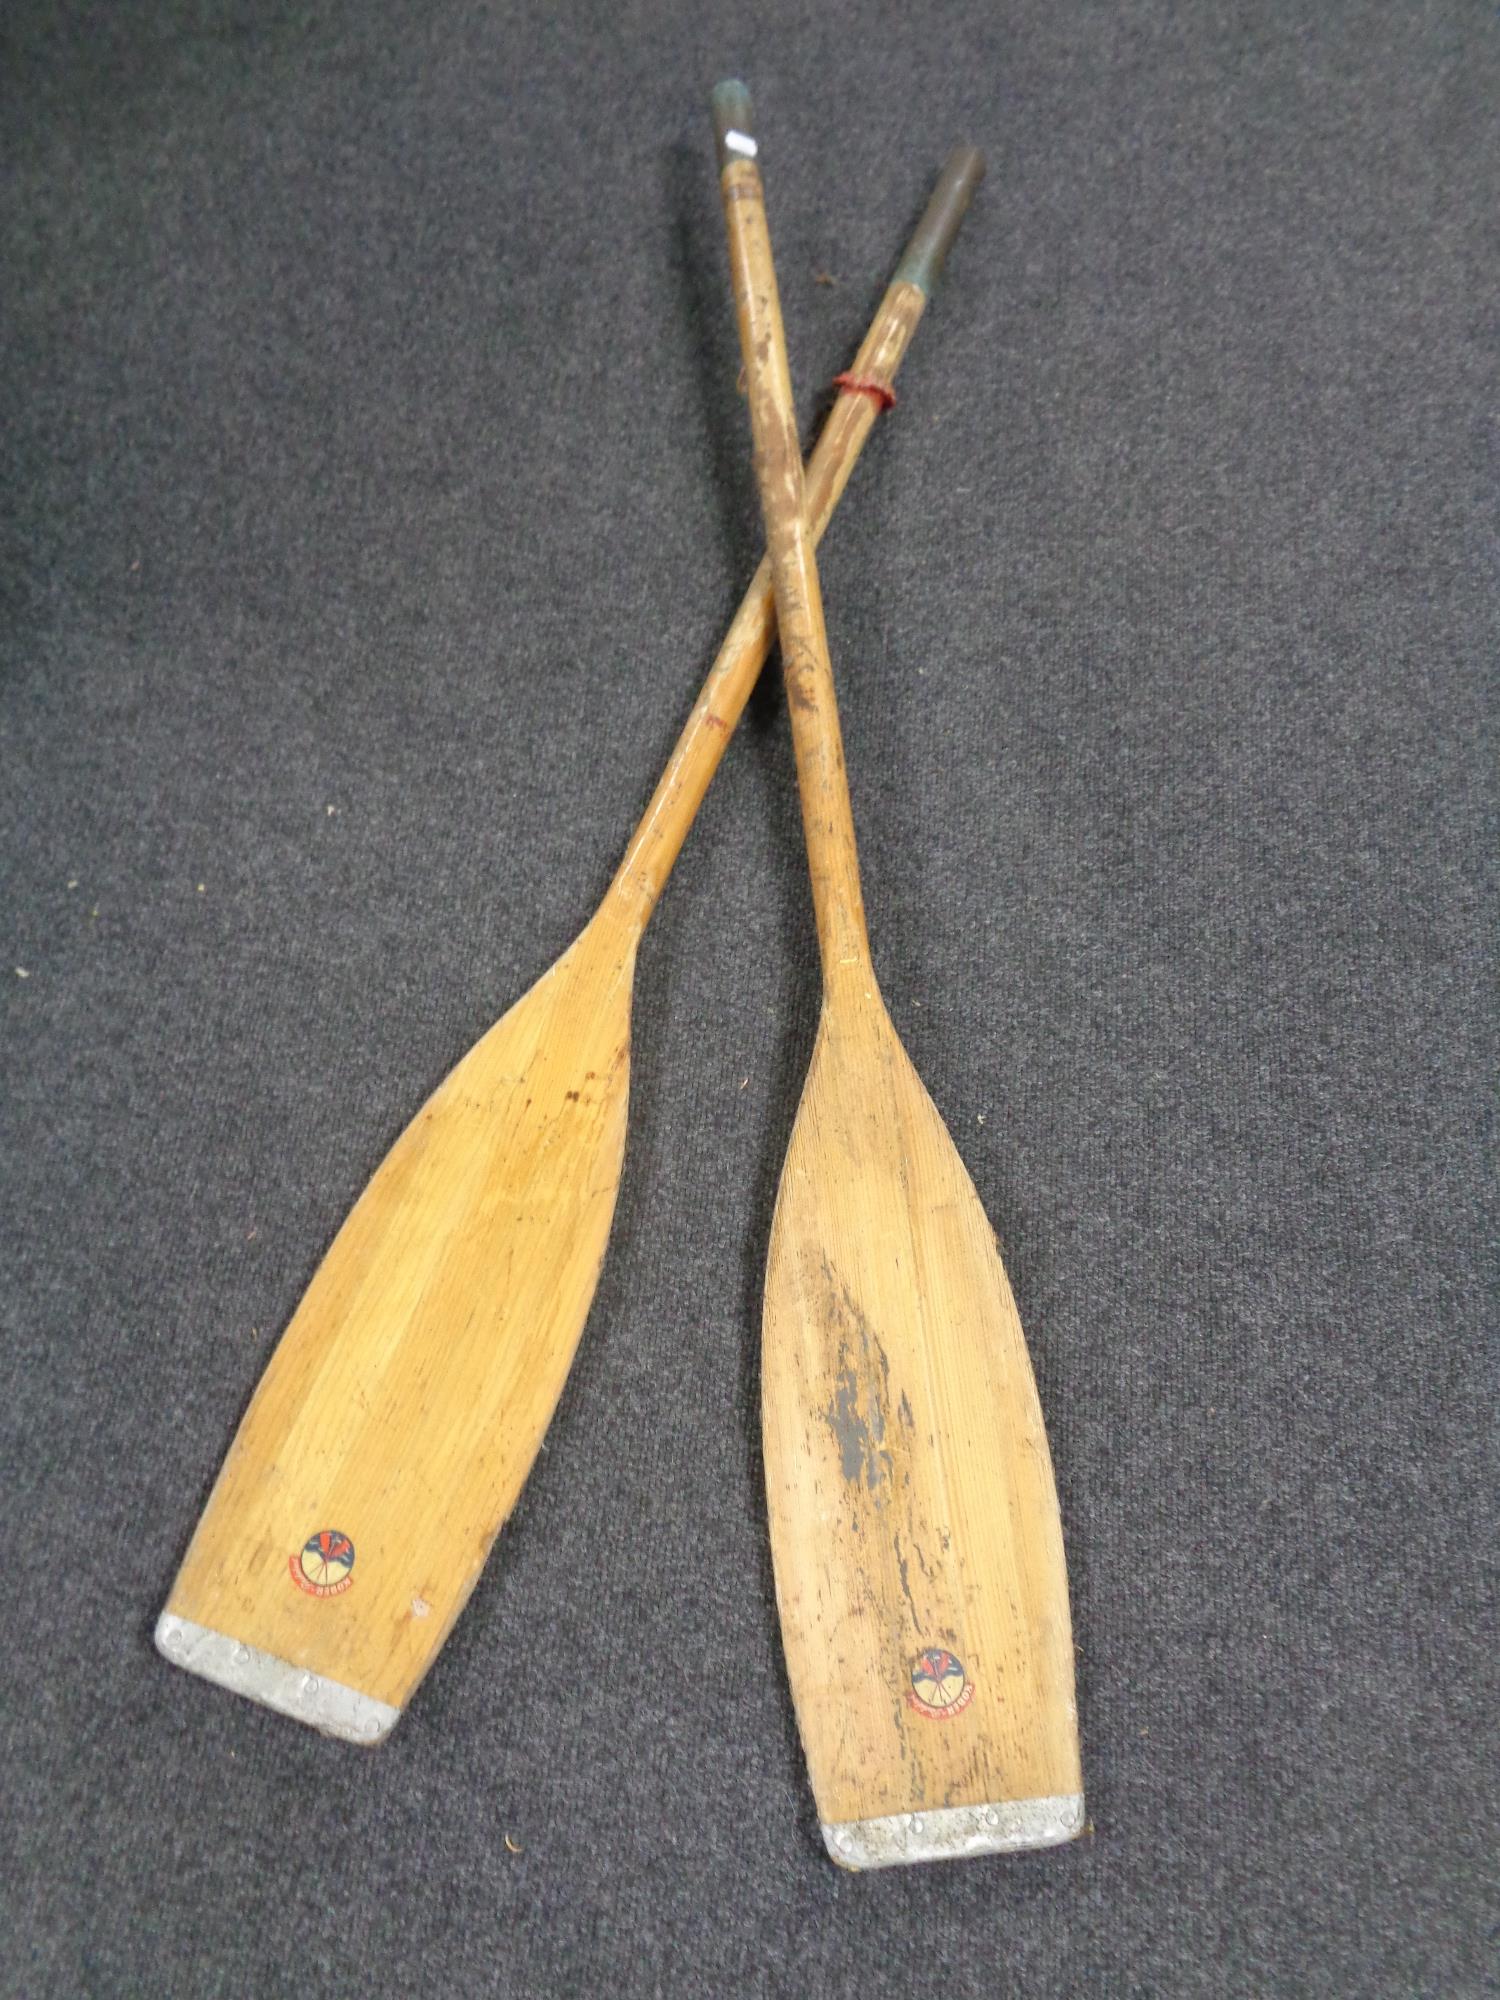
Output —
<point x="914" y="1523"/>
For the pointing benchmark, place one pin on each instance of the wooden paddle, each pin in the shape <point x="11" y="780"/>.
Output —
<point x="402" y="1409"/>
<point x="914" y="1524"/>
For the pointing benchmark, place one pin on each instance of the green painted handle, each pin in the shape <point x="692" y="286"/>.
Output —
<point x="733" y="123"/>
<point x="923" y="263"/>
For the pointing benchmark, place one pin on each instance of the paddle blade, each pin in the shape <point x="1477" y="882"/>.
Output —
<point x="403" y="1407"/>
<point x="914" y="1524"/>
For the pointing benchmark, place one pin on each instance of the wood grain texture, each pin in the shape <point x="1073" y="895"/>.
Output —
<point x="909" y="1485"/>
<point x="917" y="1545"/>
<point x="408" y="1397"/>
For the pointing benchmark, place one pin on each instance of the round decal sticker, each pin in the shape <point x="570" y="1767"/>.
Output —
<point x="939" y="1685"/>
<point x="324" y="1565"/>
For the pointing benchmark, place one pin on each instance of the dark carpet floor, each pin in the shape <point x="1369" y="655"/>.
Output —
<point x="376" y="491"/>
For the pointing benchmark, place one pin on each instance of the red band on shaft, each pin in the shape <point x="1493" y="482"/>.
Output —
<point x="864" y="385"/>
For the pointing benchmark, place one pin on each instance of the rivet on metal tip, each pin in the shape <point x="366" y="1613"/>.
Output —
<point x="173" y="1637"/>
<point x="846" y="1840"/>
<point x="741" y="143"/>
<point x="241" y="1654"/>
<point x="309" y="1684"/>
<point x="916" y="1824"/>
<point x="372" y="1725"/>
<point x="992" y="1816"/>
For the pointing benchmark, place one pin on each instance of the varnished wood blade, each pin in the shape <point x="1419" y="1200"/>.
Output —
<point x="914" y="1521"/>
<point x="402" y="1409"/>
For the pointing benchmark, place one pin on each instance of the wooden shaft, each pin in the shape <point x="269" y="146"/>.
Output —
<point x="827" y="817"/>
<point x="657" y="840"/>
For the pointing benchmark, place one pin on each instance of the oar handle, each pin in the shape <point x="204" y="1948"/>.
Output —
<point x="659" y="837"/>
<point x="827" y="817"/>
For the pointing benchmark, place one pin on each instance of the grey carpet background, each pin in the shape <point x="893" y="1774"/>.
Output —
<point x="376" y="494"/>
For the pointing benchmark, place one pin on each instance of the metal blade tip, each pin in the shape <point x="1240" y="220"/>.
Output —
<point x="275" y="1683"/>
<point x="949" y="1833"/>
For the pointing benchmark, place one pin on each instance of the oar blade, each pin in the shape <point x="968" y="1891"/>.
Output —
<point x="404" y="1405"/>
<point x="914" y="1523"/>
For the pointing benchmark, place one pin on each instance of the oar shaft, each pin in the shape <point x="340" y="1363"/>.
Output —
<point x="663" y="827"/>
<point x="827" y="817"/>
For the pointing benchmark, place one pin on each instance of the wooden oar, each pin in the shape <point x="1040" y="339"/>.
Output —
<point x="402" y="1409"/>
<point x="914" y="1524"/>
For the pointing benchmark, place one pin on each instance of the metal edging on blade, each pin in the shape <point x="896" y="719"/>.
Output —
<point x="950" y="1832"/>
<point x="311" y="1698"/>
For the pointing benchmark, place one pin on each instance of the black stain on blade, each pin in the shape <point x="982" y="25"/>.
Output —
<point x="858" y="1426"/>
<point x="856" y="1416"/>
<point x="906" y="1585"/>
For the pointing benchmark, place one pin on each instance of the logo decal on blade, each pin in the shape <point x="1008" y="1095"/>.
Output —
<point x="324" y="1565"/>
<point x="939" y="1685"/>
